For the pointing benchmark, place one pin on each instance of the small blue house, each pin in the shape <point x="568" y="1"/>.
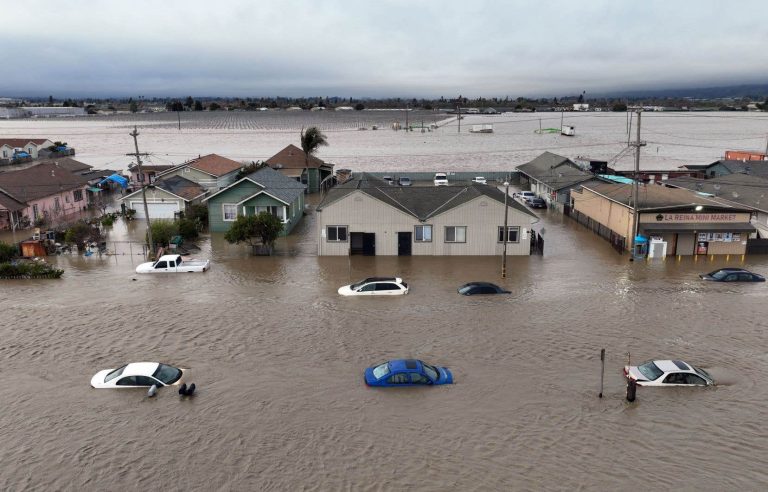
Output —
<point x="264" y="190"/>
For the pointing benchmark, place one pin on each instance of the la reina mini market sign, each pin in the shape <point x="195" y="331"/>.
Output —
<point x="677" y="218"/>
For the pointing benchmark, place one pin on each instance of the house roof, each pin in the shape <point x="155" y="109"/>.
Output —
<point x="176" y="185"/>
<point x="653" y="196"/>
<point x="555" y="171"/>
<point x="213" y="164"/>
<point x="744" y="189"/>
<point x="739" y="166"/>
<point x="68" y="163"/>
<point x="273" y="183"/>
<point x="7" y="202"/>
<point x="21" y="142"/>
<point x="39" y="181"/>
<point x="292" y="157"/>
<point x="421" y="202"/>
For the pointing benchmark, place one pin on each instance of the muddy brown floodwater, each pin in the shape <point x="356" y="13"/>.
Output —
<point x="278" y="359"/>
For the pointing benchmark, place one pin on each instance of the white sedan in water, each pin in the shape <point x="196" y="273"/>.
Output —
<point x="668" y="373"/>
<point x="138" y="375"/>
<point x="376" y="286"/>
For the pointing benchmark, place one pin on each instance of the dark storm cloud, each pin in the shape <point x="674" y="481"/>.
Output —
<point x="354" y="48"/>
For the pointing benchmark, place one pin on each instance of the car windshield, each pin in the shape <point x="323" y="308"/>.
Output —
<point x="357" y="285"/>
<point x="703" y="373"/>
<point x="431" y="372"/>
<point x="650" y="371"/>
<point x="466" y="288"/>
<point x="381" y="371"/>
<point x="112" y="375"/>
<point x="167" y="374"/>
<point x="719" y="275"/>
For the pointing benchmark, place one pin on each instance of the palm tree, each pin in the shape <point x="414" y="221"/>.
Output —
<point x="311" y="140"/>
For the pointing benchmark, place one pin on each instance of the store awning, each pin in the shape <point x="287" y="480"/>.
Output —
<point x="699" y="227"/>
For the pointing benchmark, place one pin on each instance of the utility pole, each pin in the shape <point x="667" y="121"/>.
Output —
<point x="635" y="186"/>
<point x="458" y="116"/>
<point x="178" y="115"/>
<point x="135" y="134"/>
<point x="406" y="116"/>
<point x="506" y="231"/>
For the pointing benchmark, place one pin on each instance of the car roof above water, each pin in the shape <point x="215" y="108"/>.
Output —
<point x="672" y="365"/>
<point x="140" y="369"/>
<point x="404" y="365"/>
<point x="382" y="279"/>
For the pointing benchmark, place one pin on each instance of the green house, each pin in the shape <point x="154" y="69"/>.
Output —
<point x="264" y="190"/>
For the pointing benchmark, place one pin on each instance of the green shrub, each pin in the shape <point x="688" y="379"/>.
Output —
<point x="8" y="252"/>
<point x="199" y="213"/>
<point x="29" y="269"/>
<point x="163" y="230"/>
<point x="188" y="229"/>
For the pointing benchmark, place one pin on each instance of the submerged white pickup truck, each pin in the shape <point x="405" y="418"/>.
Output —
<point x="173" y="264"/>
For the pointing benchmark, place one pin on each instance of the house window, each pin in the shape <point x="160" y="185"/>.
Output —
<point x="5" y="153"/>
<point x="66" y="198"/>
<point x="230" y="211"/>
<point x="422" y="234"/>
<point x="513" y="234"/>
<point x="456" y="234"/>
<point x="186" y="170"/>
<point x="337" y="233"/>
<point x="271" y="209"/>
<point x="35" y="212"/>
<point x="56" y="204"/>
<point x="78" y="195"/>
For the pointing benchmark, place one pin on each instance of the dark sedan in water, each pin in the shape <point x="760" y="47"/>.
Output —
<point x="473" y="288"/>
<point x="732" y="275"/>
<point x="536" y="202"/>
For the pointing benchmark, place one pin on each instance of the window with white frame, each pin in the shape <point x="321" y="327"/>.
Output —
<point x="78" y="195"/>
<point x="422" y="234"/>
<point x="456" y="234"/>
<point x="513" y="234"/>
<point x="230" y="211"/>
<point x="336" y="233"/>
<point x="56" y="204"/>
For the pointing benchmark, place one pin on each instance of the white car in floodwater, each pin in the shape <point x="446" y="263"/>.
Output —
<point x="376" y="286"/>
<point x="668" y="373"/>
<point x="138" y="375"/>
<point x="173" y="264"/>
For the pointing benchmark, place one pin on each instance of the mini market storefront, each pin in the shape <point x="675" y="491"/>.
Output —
<point x="685" y="234"/>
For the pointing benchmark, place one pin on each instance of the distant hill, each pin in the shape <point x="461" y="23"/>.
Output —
<point x="755" y="91"/>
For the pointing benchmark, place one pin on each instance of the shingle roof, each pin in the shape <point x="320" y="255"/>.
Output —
<point x="39" y="181"/>
<point x="214" y="165"/>
<point x="7" y="202"/>
<point x="180" y="186"/>
<point x="292" y="157"/>
<point x="69" y="164"/>
<point x="744" y="189"/>
<point x="736" y="166"/>
<point x="421" y="202"/>
<point x="555" y="171"/>
<point x="21" y="142"/>
<point x="653" y="196"/>
<point x="277" y="184"/>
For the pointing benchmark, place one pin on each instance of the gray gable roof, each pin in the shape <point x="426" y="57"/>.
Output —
<point x="736" y="166"/>
<point x="277" y="184"/>
<point x="421" y="202"/>
<point x="555" y="171"/>
<point x="744" y="189"/>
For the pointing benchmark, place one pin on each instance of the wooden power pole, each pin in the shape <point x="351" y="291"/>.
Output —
<point x="137" y="154"/>
<point x="635" y="185"/>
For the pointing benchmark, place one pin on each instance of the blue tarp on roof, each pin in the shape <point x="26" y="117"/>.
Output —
<point x="116" y="178"/>
<point x="616" y="179"/>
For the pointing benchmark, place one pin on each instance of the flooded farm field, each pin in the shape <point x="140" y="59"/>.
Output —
<point x="278" y="359"/>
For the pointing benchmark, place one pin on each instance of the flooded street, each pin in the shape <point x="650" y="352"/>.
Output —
<point x="278" y="359"/>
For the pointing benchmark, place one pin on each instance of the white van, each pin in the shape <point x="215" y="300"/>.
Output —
<point x="524" y="196"/>
<point x="441" y="179"/>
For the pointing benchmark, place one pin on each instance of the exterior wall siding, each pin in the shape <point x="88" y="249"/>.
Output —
<point x="216" y="222"/>
<point x="154" y="195"/>
<point x="482" y="217"/>
<point x="205" y="180"/>
<point x="612" y="215"/>
<point x="46" y="206"/>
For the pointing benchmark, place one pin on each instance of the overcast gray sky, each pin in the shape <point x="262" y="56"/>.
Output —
<point x="361" y="48"/>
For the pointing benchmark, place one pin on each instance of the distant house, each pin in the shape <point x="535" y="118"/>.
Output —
<point x="213" y="172"/>
<point x="291" y="162"/>
<point x="747" y="155"/>
<point x="264" y="190"/>
<point x="32" y="146"/>
<point x="552" y="176"/>
<point x="166" y="198"/>
<point x="367" y="216"/>
<point x="48" y="192"/>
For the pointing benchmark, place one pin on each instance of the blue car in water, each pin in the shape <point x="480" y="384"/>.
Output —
<point x="407" y="372"/>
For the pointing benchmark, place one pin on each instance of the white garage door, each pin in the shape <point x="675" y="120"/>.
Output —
<point x="156" y="210"/>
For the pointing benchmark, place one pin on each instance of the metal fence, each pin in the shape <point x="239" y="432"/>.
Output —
<point x="618" y="242"/>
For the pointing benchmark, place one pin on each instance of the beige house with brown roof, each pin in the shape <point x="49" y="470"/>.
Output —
<point x="213" y="172"/>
